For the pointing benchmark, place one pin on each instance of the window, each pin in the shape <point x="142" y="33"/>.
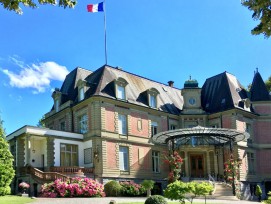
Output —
<point x="172" y="127"/>
<point x="152" y="97"/>
<point x="248" y="128"/>
<point x="122" y="124"/>
<point x="81" y="94"/>
<point x="154" y="127"/>
<point x="121" y="92"/>
<point x="88" y="156"/>
<point x="57" y="105"/>
<point x="155" y="161"/>
<point x="153" y="102"/>
<point x="83" y="124"/>
<point x="123" y="159"/>
<point x="251" y="159"/>
<point x="68" y="155"/>
<point x="120" y="88"/>
<point x="63" y="126"/>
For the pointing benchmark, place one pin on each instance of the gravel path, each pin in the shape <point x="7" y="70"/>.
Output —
<point x="107" y="200"/>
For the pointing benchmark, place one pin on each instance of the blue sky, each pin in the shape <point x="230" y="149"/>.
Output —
<point x="158" y="39"/>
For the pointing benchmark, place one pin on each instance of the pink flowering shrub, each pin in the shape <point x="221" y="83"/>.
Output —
<point x="129" y="188"/>
<point x="75" y="187"/>
<point x="24" y="185"/>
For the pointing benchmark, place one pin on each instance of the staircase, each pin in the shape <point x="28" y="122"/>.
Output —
<point x="223" y="192"/>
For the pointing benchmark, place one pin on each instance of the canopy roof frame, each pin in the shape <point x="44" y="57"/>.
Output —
<point x="219" y="135"/>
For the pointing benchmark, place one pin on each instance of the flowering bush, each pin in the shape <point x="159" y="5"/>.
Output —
<point x="232" y="174"/>
<point x="231" y="169"/>
<point x="129" y="188"/>
<point x="75" y="187"/>
<point x="175" y="162"/>
<point x="24" y="185"/>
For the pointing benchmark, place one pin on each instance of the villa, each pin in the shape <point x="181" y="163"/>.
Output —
<point x="114" y="125"/>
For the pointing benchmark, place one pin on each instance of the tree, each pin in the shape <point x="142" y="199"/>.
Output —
<point x="148" y="185"/>
<point x="41" y="121"/>
<point x="6" y="168"/>
<point x="258" y="192"/>
<point x="268" y="84"/>
<point x="261" y="11"/>
<point x="14" y="5"/>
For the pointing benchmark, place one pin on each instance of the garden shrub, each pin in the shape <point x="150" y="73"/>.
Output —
<point x="6" y="165"/>
<point x="131" y="189"/>
<point x="75" y="187"/>
<point x="156" y="199"/>
<point x="112" y="188"/>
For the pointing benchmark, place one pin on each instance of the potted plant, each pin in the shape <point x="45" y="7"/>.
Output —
<point x="24" y="186"/>
<point x="258" y="192"/>
<point x="148" y="185"/>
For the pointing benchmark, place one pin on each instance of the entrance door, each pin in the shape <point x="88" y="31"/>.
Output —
<point x="197" y="166"/>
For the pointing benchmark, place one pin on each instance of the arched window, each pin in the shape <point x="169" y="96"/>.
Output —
<point x="120" y="88"/>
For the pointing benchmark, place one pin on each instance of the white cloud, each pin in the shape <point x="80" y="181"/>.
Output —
<point x="36" y="76"/>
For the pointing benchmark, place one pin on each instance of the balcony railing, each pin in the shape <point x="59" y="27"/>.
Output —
<point x="71" y="170"/>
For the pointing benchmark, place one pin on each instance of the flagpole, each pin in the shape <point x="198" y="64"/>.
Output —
<point x="105" y="43"/>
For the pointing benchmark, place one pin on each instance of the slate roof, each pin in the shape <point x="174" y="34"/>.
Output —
<point x="258" y="91"/>
<point x="68" y="89"/>
<point x="101" y="83"/>
<point x="222" y="92"/>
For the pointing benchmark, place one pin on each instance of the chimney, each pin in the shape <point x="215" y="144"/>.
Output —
<point x="170" y="83"/>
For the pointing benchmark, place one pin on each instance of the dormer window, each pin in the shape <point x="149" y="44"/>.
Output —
<point x="152" y="97"/>
<point x="57" y="99"/>
<point x="81" y="93"/>
<point x="81" y="84"/>
<point x="153" y="101"/>
<point x="121" y="92"/>
<point x="120" y="88"/>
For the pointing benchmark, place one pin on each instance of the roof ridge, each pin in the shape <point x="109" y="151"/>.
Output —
<point x="111" y="67"/>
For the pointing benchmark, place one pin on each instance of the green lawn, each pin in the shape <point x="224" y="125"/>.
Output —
<point x="11" y="199"/>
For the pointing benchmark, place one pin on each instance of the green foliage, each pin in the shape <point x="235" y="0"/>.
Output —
<point x="177" y="191"/>
<point x="148" y="184"/>
<point x="14" y="5"/>
<point x="268" y="201"/>
<point x="112" y="188"/>
<point x="268" y="84"/>
<point x="132" y="189"/>
<point x="261" y="11"/>
<point x="41" y="121"/>
<point x="6" y="166"/>
<point x="258" y="191"/>
<point x="156" y="199"/>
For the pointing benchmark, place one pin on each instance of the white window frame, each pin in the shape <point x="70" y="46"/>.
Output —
<point x="153" y="101"/>
<point x="83" y="124"/>
<point x="124" y="158"/>
<point x="121" y="92"/>
<point x="156" y="161"/>
<point x="154" y="128"/>
<point x="122" y="124"/>
<point x="73" y="152"/>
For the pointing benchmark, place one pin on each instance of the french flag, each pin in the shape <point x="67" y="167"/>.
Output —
<point x="96" y="7"/>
